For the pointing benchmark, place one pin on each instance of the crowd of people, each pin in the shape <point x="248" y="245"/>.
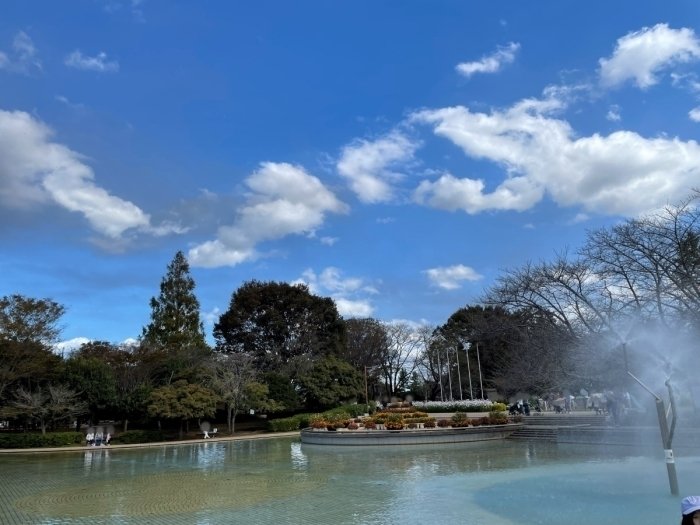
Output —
<point x="98" y="438"/>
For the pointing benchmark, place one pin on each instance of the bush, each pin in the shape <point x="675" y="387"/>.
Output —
<point x="369" y="424"/>
<point x="498" y="418"/>
<point x="460" y="419"/>
<point x="138" y="436"/>
<point x="394" y="422"/>
<point x="318" y="421"/>
<point x="37" y="440"/>
<point x="469" y="405"/>
<point x="499" y="407"/>
<point x="286" y="424"/>
<point x="337" y="420"/>
<point x="353" y="426"/>
<point x="429" y="422"/>
<point x="443" y="423"/>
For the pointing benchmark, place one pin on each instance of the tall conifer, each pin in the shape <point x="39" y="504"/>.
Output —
<point x="175" y="321"/>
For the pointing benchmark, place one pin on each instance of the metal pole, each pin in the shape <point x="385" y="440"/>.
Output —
<point x="459" y="374"/>
<point x="449" y="370"/>
<point x="366" y="391"/>
<point x="478" y="361"/>
<point x="666" y="435"/>
<point x="442" y="397"/>
<point x="469" y="373"/>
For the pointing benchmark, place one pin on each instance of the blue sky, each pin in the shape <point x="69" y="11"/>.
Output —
<point x="394" y="155"/>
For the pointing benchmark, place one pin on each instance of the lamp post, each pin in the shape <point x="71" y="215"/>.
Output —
<point x="469" y="372"/>
<point x="459" y="374"/>
<point x="478" y="362"/>
<point x="449" y="370"/>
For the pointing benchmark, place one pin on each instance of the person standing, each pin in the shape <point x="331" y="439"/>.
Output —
<point x="690" y="509"/>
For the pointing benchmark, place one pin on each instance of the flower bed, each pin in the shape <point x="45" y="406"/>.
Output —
<point x="470" y="405"/>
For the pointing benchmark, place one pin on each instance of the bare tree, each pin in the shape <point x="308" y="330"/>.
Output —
<point x="399" y="357"/>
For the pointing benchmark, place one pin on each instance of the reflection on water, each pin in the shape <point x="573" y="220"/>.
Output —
<point x="281" y="480"/>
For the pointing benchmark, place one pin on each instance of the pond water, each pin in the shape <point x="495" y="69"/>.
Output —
<point x="280" y="480"/>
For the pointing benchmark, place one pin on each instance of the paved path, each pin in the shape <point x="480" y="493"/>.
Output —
<point x="82" y="448"/>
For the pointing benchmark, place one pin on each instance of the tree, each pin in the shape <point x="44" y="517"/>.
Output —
<point x="93" y="378"/>
<point x="400" y="356"/>
<point x="25" y="364"/>
<point x="45" y="406"/>
<point x="366" y="342"/>
<point x="330" y="382"/>
<point x="182" y="401"/>
<point x="233" y="378"/>
<point x="24" y="319"/>
<point x="175" y="321"/>
<point x="283" y="327"/>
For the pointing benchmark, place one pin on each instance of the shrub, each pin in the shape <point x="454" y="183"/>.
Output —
<point x="517" y="418"/>
<point x="478" y="421"/>
<point x="369" y="424"/>
<point x="138" y="436"/>
<point x="353" y="426"/>
<point x="318" y="421"/>
<point x="285" y="424"/>
<point x="499" y="407"/>
<point x="460" y="419"/>
<point x="37" y="440"/>
<point x="337" y="420"/>
<point x="443" y="423"/>
<point x="394" y="422"/>
<point x="429" y="422"/>
<point x="498" y="418"/>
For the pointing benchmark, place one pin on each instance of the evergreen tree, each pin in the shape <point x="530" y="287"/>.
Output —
<point x="175" y="321"/>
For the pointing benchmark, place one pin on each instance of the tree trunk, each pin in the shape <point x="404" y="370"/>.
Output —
<point x="43" y="427"/>
<point x="181" y="428"/>
<point x="126" y="424"/>
<point x="233" y="422"/>
<point x="229" y="418"/>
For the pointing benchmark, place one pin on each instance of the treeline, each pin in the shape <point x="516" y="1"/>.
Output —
<point x="629" y="298"/>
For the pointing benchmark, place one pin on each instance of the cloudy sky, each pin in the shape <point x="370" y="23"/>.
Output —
<point x="394" y="155"/>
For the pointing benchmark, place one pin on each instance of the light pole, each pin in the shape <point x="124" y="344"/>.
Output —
<point x="459" y="373"/>
<point x="478" y="362"/>
<point x="469" y="371"/>
<point x="449" y="370"/>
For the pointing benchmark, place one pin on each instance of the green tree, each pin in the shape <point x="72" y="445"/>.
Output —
<point x="330" y="382"/>
<point x="182" y="401"/>
<point x="231" y="378"/>
<point x="283" y="327"/>
<point x="93" y="378"/>
<point x="175" y="336"/>
<point x="175" y="321"/>
<point x="24" y="319"/>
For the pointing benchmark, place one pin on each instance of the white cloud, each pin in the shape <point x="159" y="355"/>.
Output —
<point x="284" y="200"/>
<point x="345" y="292"/>
<point x="353" y="308"/>
<point x="613" y="114"/>
<point x="490" y="63"/>
<point x="451" y="277"/>
<point x="23" y="57"/>
<point x="211" y="317"/>
<point x="97" y="63"/>
<point x="641" y="55"/>
<point x="621" y="173"/>
<point x="368" y="165"/>
<point x="694" y="114"/>
<point x="34" y="171"/>
<point x="71" y="345"/>
<point x="328" y="241"/>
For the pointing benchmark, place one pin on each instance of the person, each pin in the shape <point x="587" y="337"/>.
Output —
<point x="108" y="438"/>
<point x="89" y="438"/>
<point x="690" y="509"/>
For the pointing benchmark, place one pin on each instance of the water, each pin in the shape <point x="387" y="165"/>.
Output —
<point x="282" y="481"/>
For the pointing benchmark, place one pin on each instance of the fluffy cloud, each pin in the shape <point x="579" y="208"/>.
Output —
<point x="694" y="114"/>
<point x="641" y="55"/>
<point x="368" y="165"/>
<point x="451" y="277"/>
<point x="22" y="58"/>
<point x="490" y="63"/>
<point x="97" y="63"/>
<point x="284" y="200"/>
<point x="345" y="292"/>
<point x="621" y="173"/>
<point x="35" y="171"/>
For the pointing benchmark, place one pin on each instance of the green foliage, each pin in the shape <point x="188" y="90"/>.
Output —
<point x="52" y="404"/>
<point x="394" y="421"/>
<point x="138" y="436"/>
<point x="281" y="390"/>
<point x="460" y="419"/>
<point x="182" y="401"/>
<point x="281" y="326"/>
<point x="24" y="319"/>
<point x="499" y="407"/>
<point x="498" y="418"/>
<point x="36" y="440"/>
<point x="330" y="382"/>
<point x="288" y="424"/>
<point x="94" y="379"/>
<point x="175" y="321"/>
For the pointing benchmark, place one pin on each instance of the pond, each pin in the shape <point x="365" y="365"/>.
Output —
<point x="280" y="480"/>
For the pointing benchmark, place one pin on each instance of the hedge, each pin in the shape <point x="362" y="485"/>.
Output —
<point x="138" y="436"/>
<point x="38" y="440"/>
